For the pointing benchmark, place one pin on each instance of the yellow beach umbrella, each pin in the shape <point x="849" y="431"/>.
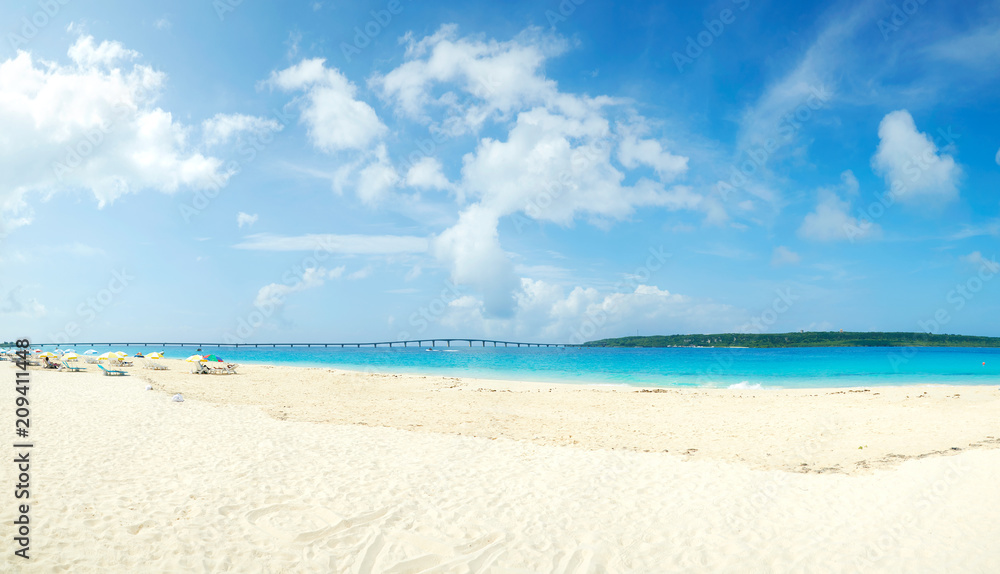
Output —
<point x="49" y="355"/>
<point x="70" y="357"/>
<point x="154" y="356"/>
<point x="194" y="358"/>
<point x="121" y="354"/>
<point x="105" y="356"/>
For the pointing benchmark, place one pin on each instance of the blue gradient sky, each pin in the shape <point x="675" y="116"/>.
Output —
<point x="523" y="170"/>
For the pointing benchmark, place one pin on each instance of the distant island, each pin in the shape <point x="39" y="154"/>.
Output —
<point x="801" y="339"/>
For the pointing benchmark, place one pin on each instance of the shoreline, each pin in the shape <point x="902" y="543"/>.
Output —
<point x="797" y="430"/>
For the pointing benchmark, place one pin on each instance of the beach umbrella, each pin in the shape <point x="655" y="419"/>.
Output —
<point x="194" y="358"/>
<point x="121" y="354"/>
<point x="213" y="358"/>
<point x="70" y="356"/>
<point x="48" y="354"/>
<point x="154" y="356"/>
<point x="90" y="351"/>
<point x="105" y="356"/>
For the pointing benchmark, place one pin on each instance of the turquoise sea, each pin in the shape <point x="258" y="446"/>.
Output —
<point x="670" y="367"/>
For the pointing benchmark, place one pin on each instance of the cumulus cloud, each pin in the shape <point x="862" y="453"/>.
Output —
<point x="88" y="55"/>
<point x="488" y="79"/>
<point x="427" y="174"/>
<point x="784" y="256"/>
<point x="335" y="120"/>
<point x="245" y="219"/>
<point x="472" y="246"/>
<point x="633" y="152"/>
<point x="832" y="221"/>
<point x="376" y="181"/>
<point x="223" y="127"/>
<point x="545" y="311"/>
<point x="554" y="165"/>
<point x="913" y="168"/>
<point x="275" y="294"/>
<point x="91" y="124"/>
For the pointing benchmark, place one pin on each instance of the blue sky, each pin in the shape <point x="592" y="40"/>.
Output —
<point x="544" y="171"/>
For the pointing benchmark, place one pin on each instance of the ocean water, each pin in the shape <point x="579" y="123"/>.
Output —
<point x="671" y="367"/>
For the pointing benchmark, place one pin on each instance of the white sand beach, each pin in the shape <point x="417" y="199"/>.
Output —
<point x="281" y="469"/>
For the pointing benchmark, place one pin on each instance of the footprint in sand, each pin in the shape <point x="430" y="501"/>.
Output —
<point x="293" y="522"/>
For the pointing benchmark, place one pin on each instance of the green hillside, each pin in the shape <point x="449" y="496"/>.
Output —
<point x="808" y="339"/>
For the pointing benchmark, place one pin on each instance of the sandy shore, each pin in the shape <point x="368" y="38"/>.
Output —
<point x="306" y="470"/>
<point x="795" y="430"/>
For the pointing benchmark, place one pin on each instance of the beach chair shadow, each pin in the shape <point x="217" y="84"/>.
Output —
<point x="108" y="371"/>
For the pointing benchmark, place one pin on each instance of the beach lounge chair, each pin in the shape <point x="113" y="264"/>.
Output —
<point x="108" y="371"/>
<point x="200" y="369"/>
<point x="71" y="368"/>
<point x="155" y="365"/>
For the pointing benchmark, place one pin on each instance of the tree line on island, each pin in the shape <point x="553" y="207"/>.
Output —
<point x="801" y="339"/>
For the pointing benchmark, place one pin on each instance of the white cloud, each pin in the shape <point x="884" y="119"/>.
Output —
<point x="977" y="259"/>
<point x="832" y="221"/>
<point x="275" y="294"/>
<point x="90" y="125"/>
<point x="162" y="24"/>
<point x="472" y="247"/>
<point x="543" y="311"/>
<point x="12" y="303"/>
<point x="334" y="118"/>
<point x="223" y="127"/>
<point x="991" y="227"/>
<point x="555" y="165"/>
<point x="633" y="152"/>
<point x="360" y="273"/>
<point x="997" y="158"/>
<point x="978" y="48"/>
<point x="810" y="85"/>
<point x="245" y="219"/>
<point x="910" y="162"/>
<point x="87" y="55"/>
<point x="492" y="79"/>
<point x="413" y="273"/>
<point x="376" y="181"/>
<point x="784" y="256"/>
<point x="347" y="244"/>
<point x="427" y="174"/>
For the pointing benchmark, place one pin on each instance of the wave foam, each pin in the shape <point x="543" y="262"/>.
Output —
<point x="745" y="385"/>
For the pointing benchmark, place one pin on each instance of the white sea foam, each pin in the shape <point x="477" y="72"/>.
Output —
<point x="745" y="385"/>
